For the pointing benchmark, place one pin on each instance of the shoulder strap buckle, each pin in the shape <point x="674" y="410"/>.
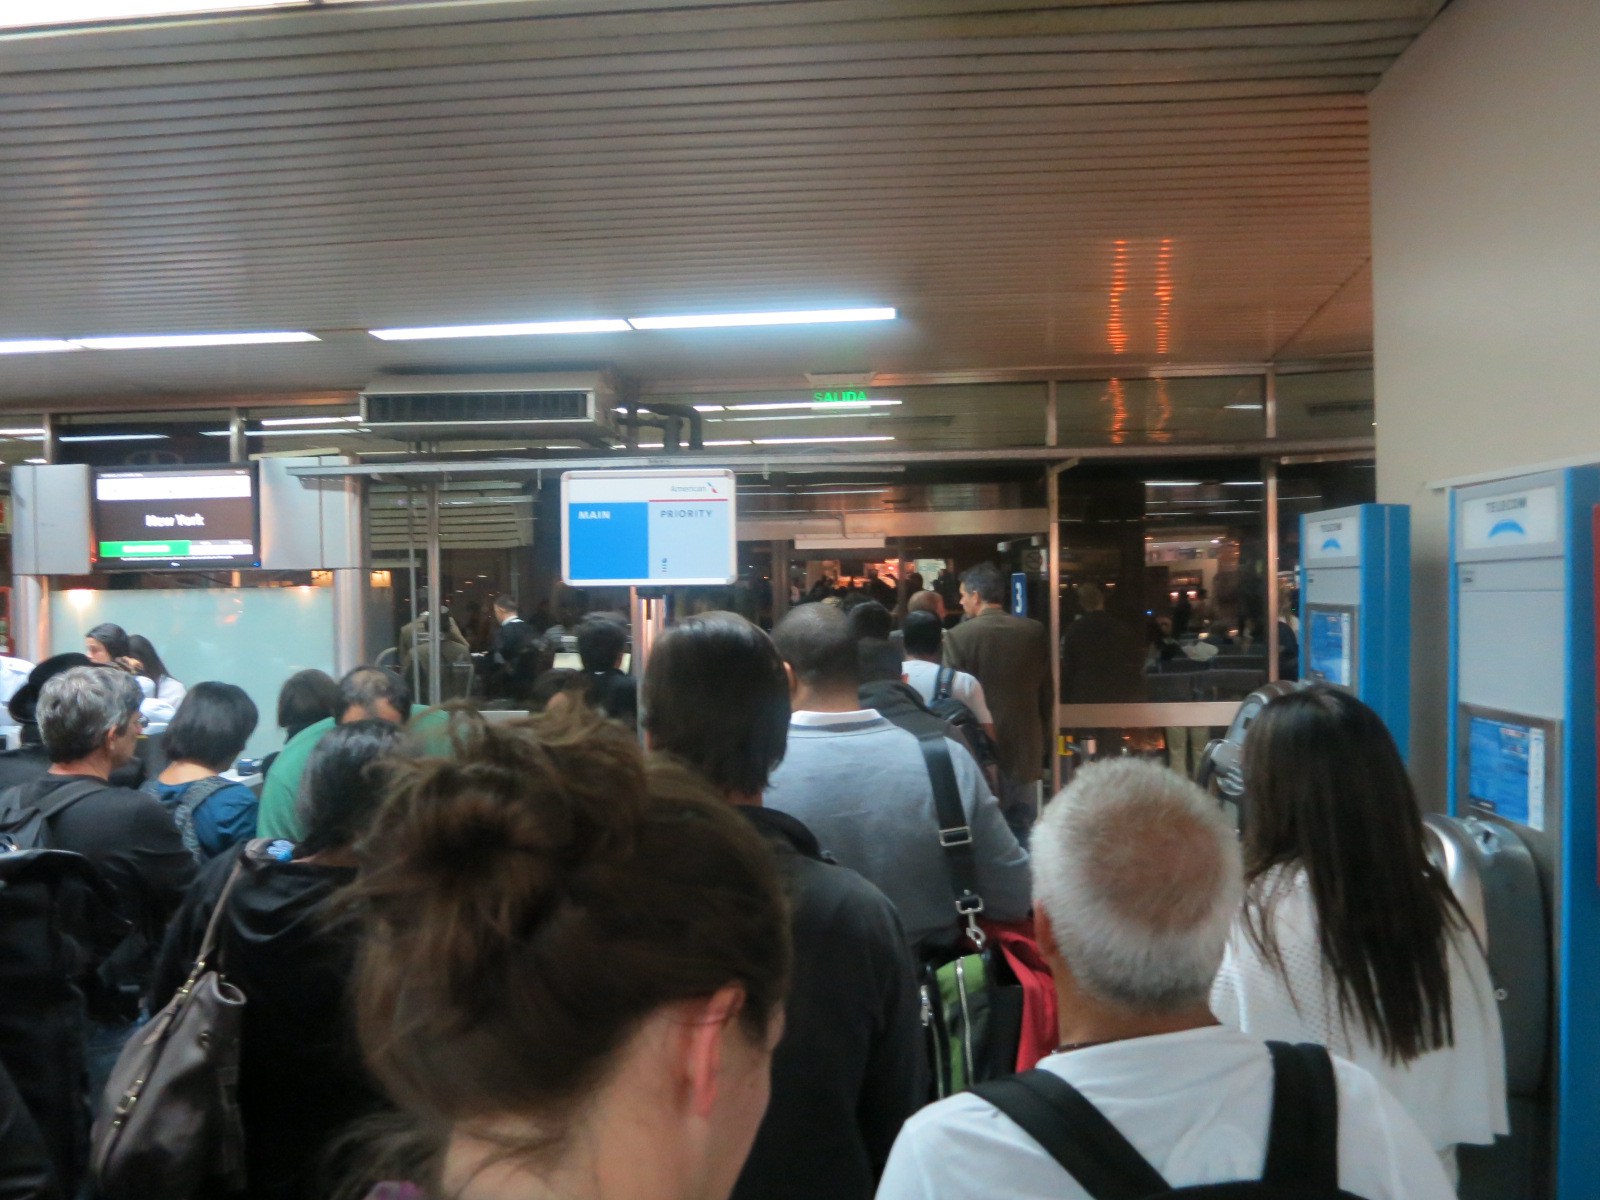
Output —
<point x="961" y="835"/>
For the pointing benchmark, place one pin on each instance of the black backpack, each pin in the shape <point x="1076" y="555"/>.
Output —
<point x="947" y="708"/>
<point x="25" y="825"/>
<point x="1302" y="1145"/>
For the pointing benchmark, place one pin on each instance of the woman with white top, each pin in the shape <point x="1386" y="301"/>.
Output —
<point x="1349" y="935"/>
<point x="162" y="693"/>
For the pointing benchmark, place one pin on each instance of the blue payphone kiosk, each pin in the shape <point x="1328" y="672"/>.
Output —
<point x="1355" y="607"/>
<point x="1522" y="751"/>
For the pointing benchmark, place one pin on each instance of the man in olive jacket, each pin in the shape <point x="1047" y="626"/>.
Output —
<point x="1011" y="658"/>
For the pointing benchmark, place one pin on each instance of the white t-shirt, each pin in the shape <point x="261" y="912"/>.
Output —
<point x="923" y="678"/>
<point x="1456" y="1094"/>
<point x="1195" y="1105"/>
<point x="161" y="699"/>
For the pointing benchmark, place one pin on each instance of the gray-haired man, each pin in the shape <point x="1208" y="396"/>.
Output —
<point x="89" y="722"/>
<point x="1136" y="881"/>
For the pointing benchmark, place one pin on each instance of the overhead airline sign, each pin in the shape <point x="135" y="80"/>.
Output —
<point x="648" y="528"/>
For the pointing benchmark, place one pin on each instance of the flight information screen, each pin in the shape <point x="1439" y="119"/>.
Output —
<point x="1330" y="645"/>
<point x="1506" y="768"/>
<point x="648" y="528"/>
<point x="166" y="519"/>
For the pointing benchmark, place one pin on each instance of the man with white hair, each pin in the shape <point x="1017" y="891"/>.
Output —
<point x="1136" y="879"/>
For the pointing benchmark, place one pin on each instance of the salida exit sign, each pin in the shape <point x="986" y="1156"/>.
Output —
<point x="840" y="397"/>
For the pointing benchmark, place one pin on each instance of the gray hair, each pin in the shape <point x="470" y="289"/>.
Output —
<point x="77" y="708"/>
<point x="1140" y="875"/>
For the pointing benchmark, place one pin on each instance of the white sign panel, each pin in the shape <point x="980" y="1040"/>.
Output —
<point x="1338" y="538"/>
<point x="648" y="528"/>
<point x="1530" y="518"/>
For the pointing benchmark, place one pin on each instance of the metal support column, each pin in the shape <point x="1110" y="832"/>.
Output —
<point x="349" y="619"/>
<point x="238" y="450"/>
<point x="648" y="614"/>
<point x="1052" y="416"/>
<point x="1052" y="597"/>
<point x="436" y="598"/>
<point x="1269" y="475"/>
<point x="780" y="580"/>
<point x="30" y="617"/>
<point x="416" y="612"/>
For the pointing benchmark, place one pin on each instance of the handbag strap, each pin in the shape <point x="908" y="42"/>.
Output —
<point x="955" y="834"/>
<point x="943" y="683"/>
<point x="208" y="944"/>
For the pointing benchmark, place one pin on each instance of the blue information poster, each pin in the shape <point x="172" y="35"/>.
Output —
<point x="1331" y="640"/>
<point x="648" y="528"/>
<point x="1505" y="769"/>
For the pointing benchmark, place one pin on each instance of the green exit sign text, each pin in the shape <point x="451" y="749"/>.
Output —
<point x="846" y="397"/>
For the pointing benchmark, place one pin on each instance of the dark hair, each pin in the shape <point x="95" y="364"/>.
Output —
<point x="1326" y="790"/>
<point x="601" y="641"/>
<point x="211" y="726"/>
<point x="869" y="619"/>
<point x="139" y="647"/>
<point x="716" y="696"/>
<point x="307" y="697"/>
<point x="343" y="783"/>
<point x="527" y="905"/>
<point x="113" y="637"/>
<point x="558" y="680"/>
<point x="506" y="602"/>
<point x="923" y="632"/>
<point x="879" y="659"/>
<point x="365" y="686"/>
<point x="985" y="582"/>
<point x="815" y="640"/>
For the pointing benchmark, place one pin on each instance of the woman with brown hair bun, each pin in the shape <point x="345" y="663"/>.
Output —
<point x="573" y="969"/>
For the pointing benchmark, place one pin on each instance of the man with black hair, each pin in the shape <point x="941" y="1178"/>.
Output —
<point x="849" y="1069"/>
<point x="1010" y="657"/>
<point x="602" y="641"/>
<point x="366" y="693"/>
<point x="862" y="785"/>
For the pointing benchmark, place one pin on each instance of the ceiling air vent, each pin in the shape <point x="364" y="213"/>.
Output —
<point x="555" y="406"/>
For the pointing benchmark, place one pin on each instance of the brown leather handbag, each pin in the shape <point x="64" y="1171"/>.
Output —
<point x="169" y="1122"/>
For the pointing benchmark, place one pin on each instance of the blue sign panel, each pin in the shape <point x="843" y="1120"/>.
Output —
<point x="1019" y="594"/>
<point x="648" y="528"/>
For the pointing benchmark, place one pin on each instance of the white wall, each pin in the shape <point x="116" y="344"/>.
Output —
<point x="1486" y="277"/>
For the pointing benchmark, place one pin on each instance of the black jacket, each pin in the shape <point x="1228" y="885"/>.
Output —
<point x="25" y="1169"/>
<point x="901" y="704"/>
<point x="301" y="1082"/>
<point x="850" y="1068"/>
<point x="131" y="838"/>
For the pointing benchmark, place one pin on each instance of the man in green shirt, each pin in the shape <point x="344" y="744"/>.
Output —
<point x="366" y="693"/>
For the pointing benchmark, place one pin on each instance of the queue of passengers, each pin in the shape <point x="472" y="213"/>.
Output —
<point x="486" y="961"/>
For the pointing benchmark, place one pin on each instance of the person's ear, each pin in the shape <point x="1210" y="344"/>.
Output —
<point x="705" y="1045"/>
<point x="794" y="681"/>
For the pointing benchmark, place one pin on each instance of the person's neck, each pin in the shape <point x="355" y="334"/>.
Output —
<point x="986" y="607"/>
<point x="828" y="700"/>
<point x="745" y="799"/>
<point x="927" y="658"/>
<point x="1085" y="1021"/>
<point x="186" y="771"/>
<point x="96" y="766"/>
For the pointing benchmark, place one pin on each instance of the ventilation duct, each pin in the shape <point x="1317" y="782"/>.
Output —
<point x="564" y="405"/>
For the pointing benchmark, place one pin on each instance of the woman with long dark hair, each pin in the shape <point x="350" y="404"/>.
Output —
<point x="162" y="693"/>
<point x="1349" y="935"/>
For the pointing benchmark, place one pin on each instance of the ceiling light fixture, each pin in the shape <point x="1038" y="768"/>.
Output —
<point x="112" y="437"/>
<point x="1245" y="407"/>
<point x="522" y="329"/>
<point x="352" y="419"/>
<point x="37" y="346"/>
<point x="78" y="12"/>
<point x="1172" y="483"/>
<point x="796" y="441"/>
<point x="166" y="341"/>
<point x="813" y="316"/>
<point x="25" y="434"/>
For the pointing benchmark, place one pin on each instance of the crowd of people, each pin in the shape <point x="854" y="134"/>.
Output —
<point x="672" y="942"/>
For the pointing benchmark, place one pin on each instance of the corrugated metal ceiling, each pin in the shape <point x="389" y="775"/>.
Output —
<point x="1033" y="185"/>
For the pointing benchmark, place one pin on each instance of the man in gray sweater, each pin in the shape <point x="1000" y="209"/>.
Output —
<point x="861" y="785"/>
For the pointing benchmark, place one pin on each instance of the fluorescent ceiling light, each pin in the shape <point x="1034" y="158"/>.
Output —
<point x="729" y="442"/>
<point x="1245" y="407"/>
<point x="1242" y="483"/>
<point x="36" y="461"/>
<point x="352" y="419"/>
<point x="76" y="12"/>
<point x="37" y="346"/>
<point x="1150" y="483"/>
<point x="25" y="434"/>
<point x="165" y="341"/>
<point x="255" y="433"/>
<point x="812" y="416"/>
<point x="796" y="441"/>
<point x="112" y="437"/>
<point x="817" y="405"/>
<point x="525" y="329"/>
<point x="814" y="316"/>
